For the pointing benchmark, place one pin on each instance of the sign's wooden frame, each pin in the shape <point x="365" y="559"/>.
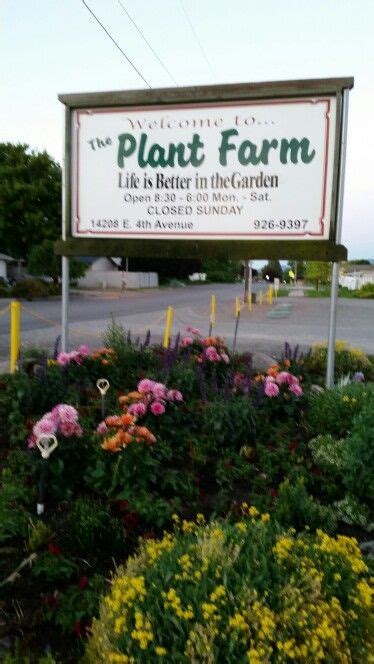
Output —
<point x="323" y="250"/>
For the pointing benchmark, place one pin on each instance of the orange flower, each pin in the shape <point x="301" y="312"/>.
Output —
<point x="273" y="370"/>
<point x="123" y="400"/>
<point x="146" y="434"/>
<point x="126" y="420"/>
<point x="134" y="395"/>
<point x="112" y="444"/>
<point x="125" y="437"/>
<point x="287" y="363"/>
<point x="210" y="341"/>
<point x="258" y="378"/>
<point x="104" y="362"/>
<point x="113" y="421"/>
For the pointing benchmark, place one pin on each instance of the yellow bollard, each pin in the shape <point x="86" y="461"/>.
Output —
<point x="249" y="301"/>
<point x="15" y="316"/>
<point x="169" y="320"/>
<point x="237" y="307"/>
<point x="213" y="311"/>
<point x="260" y="297"/>
<point x="270" y="295"/>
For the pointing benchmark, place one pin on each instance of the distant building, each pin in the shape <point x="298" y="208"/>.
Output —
<point x="354" y="277"/>
<point x="4" y="263"/>
<point x="105" y="272"/>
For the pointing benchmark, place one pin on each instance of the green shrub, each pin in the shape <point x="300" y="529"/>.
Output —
<point x="235" y="593"/>
<point x="30" y="289"/>
<point x="348" y="360"/>
<point x="366" y="291"/>
<point x="327" y="453"/>
<point x="92" y="529"/>
<point x="359" y="457"/>
<point x="14" y="497"/>
<point x="296" y="508"/>
<point x="5" y="291"/>
<point x="332" y="411"/>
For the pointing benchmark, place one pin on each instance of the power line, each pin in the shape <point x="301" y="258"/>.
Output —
<point x="115" y="43"/>
<point x="147" y="42"/>
<point x="197" y="38"/>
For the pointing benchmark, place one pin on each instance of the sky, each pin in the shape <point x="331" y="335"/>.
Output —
<point x="49" y="47"/>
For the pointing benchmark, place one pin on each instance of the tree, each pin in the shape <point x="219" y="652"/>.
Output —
<point x="273" y="270"/>
<point x="30" y="199"/>
<point x="318" y="272"/>
<point x="43" y="262"/>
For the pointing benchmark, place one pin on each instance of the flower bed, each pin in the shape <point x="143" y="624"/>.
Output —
<point x="246" y="592"/>
<point x="187" y="430"/>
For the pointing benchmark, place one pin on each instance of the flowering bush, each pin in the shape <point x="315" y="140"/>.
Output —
<point x="76" y="356"/>
<point x="205" y="349"/>
<point x="123" y="431"/>
<point x="243" y="592"/>
<point x="150" y="396"/>
<point x="348" y="360"/>
<point x="62" y="420"/>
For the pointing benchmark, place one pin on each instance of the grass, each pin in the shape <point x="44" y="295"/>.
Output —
<point x="325" y="292"/>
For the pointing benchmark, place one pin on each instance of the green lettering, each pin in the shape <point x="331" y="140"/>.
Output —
<point x="126" y="147"/>
<point x="225" y="145"/>
<point x="294" y="146"/>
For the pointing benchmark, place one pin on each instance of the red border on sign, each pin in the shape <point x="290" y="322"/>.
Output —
<point x="137" y="234"/>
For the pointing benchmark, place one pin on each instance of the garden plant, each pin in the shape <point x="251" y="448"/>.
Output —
<point x="202" y="511"/>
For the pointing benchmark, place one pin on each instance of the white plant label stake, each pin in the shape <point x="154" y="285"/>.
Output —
<point x="103" y="386"/>
<point x="46" y="445"/>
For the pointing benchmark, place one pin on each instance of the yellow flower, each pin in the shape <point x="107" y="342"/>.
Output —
<point x="265" y="517"/>
<point x="238" y="622"/>
<point x="283" y="547"/>
<point x="159" y="650"/>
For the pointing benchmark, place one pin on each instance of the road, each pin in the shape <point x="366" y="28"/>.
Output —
<point x="303" y="320"/>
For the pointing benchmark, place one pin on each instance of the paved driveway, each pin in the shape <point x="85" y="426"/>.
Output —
<point x="304" y="320"/>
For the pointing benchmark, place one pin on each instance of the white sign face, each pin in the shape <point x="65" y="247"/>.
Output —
<point x="241" y="170"/>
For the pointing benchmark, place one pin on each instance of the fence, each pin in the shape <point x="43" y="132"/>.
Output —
<point x="15" y="308"/>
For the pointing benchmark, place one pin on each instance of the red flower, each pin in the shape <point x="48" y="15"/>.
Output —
<point x="130" y="520"/>
<point x="274" y="493"/>
<point x="83" y="582"/>
<point x="123" y="505"/>
<point x="54" y="549"/>
<point x="292" y="446"/>
<point x="81" y="628"/>
<point x="316" y="471"/>
<point x="49" y="600"/>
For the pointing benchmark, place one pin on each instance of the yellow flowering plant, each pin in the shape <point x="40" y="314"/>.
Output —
<point x="243" y="592"/>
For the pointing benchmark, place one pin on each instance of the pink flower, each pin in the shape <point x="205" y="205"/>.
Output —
<point x="45" y="427"/>
<point x="225" y="358"/>
<point x="174" y="395"/>
<point x="67" y="428"/>
<point x="212" y="354"/>
<point x="137" y="409"/>
<point x="157" y="408"/>
<point x="145" y="385"/>
<point x="283" y="377"/>
<point x="63" y="359"/>
<point x="158" y="390"/>
<point x="193" y="330"/>
<point x="296" y="389"/>
<point x="83" y="350"/>
<point x="271" y="388"/>
<point x="102" y="428"/>
<point x="31" y="441"/>
<point x="65" y="412"/>
<point x="186" y="341"/>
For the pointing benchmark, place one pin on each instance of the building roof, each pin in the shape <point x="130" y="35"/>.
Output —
<point x="8" y="259"/>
